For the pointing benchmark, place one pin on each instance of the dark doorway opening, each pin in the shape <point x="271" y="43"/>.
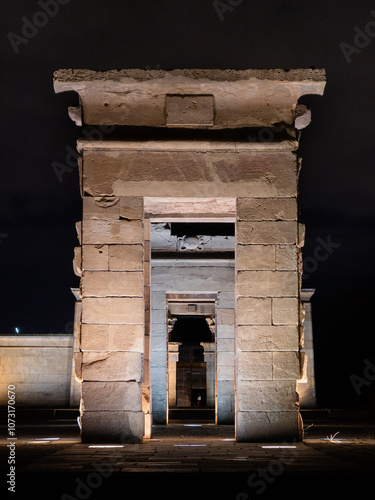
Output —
<point x="192" y="378"/>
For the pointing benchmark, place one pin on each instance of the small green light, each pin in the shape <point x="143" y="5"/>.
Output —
<point x="17" y="330"/>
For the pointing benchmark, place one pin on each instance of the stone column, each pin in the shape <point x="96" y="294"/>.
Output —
<point x="172" y="361"/>
<point x="146" y="386"/>
<point x="209" y="358"/>
<point x="306" y="385"/>
<point x="267" y="319"/>
<point x="112" y="331"/>
<point x="75" y="385"/>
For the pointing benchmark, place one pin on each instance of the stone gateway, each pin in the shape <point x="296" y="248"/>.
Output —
<point x="190" y="249"/>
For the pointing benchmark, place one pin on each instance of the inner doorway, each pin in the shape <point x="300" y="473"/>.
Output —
<point x="191" y="377"/>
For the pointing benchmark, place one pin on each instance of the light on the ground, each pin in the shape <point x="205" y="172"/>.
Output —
<point x="47" y="439"/>
<point x="190" y="445"/>
<point x="278" y="447"/>
<point x="106" y="446"/>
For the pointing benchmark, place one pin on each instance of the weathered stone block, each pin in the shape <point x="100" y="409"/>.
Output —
<point x="112" y="284"/>
<point x="95" y="257"/>
<point x="286" y="366"/>
<point x="112" y="310"/>
<point x="96" y="232"/>
<point x="157" y="316"/>
<point x="268" y="426"/>
<point x="111" y="396"/>
<point x="101" y="207"/>
<point x="195" y="277"/>
<point x="267" y="283"/>
<point x="225" y="402"/>
<point x="266" y="233"/>
<point x="225" y="331"/>
<point x="159" y="361"/>
<point x="125" y="257"/>
<point x="301" y="235"/>
<point x="225" y="345"/>
<point x="285" y="311"/>
<point x="126" y="338"/>
<point x="112" y="366"/>
<point x="266" y="395"/>
<point x="254" y="366"/>
<point x="226" y="300"/>
<point x="77" y="361"/>
<point x="189" y="109"/>
<point x="94" y="337"/>
<point x="254" y="311"/>
<point x="254" y="170"/>
<point x="225" y="372"/>
<point x="188" y="170"/>
<point x="79" y="231"/>
<point x="225" y="358"/>
<point x="286" y="257"/>
<point x="112" y="426"/>
<point x="255" y="257"/>
<point x="131" y="207"/>
<point x="146" y="379"/>
<point x="264" y="209"/>
<point x="267" y="338"/>
<point x="158" y="344"/>
<point x="77" y="261"/>
<point x="225" y="316"/>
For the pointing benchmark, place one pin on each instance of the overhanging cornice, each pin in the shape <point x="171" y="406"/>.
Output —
<point x="227" y="98"/>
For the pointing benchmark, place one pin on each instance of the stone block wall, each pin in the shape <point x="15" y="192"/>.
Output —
<point x="112" y="323"/>
<point x="268" y="311"/>
<point x="40" y="367"/>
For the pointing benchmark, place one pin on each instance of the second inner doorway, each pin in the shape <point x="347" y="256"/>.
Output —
<point x="191" y="362"/>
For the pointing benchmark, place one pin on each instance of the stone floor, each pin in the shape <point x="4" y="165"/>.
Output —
<point x="191" y="461"/>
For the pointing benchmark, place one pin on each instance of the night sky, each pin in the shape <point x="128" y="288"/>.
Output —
<point x="336" y="192"/>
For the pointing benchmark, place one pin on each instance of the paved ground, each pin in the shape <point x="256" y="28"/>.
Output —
<point x="189" y="461"/>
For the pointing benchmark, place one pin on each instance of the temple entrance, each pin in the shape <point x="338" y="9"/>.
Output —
<point x="191" y="362"/>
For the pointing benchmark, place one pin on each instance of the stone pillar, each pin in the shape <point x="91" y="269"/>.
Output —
<point x="306" y="384"/>
<point x="225" y="374"/>
<point x="267" y="319"/>
<point x="75" y="384"/>
<point x="209" y="358"/>
<point x="146" y="386"/>
<point x="112" y="331"/>
<point x="173" y="356"/>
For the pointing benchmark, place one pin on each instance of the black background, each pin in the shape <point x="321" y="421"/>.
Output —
<point x="336" y="192"/>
